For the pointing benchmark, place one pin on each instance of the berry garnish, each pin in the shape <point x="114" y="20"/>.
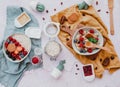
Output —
<point x="10" y="38"/>
<point x="13" y="55"/>
<point x="81" y="31"/>
<point x="23" y="49"/>
<point x="7" y="52"/>
<point x="13" y="40"/>
<point x="97" y="39"/>
<point x="81" y="45"/>
<point x="82" y="50"/>
<point x="25" y="53"/>
<point x="6" y="44"/>
<point x="35" y="60"/>
<point x="16" y="43"/>
<point x="91" y="31"/>
<point x="81" y="38"/>
<point x="18" y="57"/>
<point x="75" y="41"/>
<point x="10" y="55"/>
<point x="89" y="50"/>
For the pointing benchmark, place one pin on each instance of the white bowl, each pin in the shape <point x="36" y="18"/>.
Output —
<point x="100" y="41"/>
<point x="24" y="42"/>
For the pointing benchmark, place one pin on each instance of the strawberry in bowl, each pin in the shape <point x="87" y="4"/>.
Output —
<point x="16" y="47"/>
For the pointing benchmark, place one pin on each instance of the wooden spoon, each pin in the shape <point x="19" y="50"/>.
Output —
<point x="110" y="6"/>
<point x="91" y="45"/>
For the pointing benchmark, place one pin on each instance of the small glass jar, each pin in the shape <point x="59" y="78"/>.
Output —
<point x="53" y="49"/>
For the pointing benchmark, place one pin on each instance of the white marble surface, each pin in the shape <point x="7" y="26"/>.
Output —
<point x="41" y="77"/>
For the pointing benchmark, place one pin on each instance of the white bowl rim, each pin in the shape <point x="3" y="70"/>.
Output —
<point x="94" y="52"/>
<point x="17" y="61"/>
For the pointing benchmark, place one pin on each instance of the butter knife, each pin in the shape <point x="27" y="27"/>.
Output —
<point x="110" y="6"/>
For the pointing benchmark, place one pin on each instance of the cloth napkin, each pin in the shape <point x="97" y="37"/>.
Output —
<point x="89" y="18"/>
<point x="10" y="73"/>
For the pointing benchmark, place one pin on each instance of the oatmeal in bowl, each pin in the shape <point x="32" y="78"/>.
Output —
<point x="87" y="36"/>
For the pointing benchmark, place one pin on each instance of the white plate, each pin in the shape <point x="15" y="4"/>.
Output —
<point x="26" y="43"/>
<point x="100" y="41"/>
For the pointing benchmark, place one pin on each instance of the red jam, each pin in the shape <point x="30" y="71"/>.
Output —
<point x="87" y="70"/>
<point x="35" y="60"/>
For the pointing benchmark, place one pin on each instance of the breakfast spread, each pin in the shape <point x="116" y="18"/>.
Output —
<point x="79" y="28"/>
<point x="17" y="47"/>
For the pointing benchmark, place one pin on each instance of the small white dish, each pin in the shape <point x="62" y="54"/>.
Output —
<point x="51" y="29"/>
<point x="33" y="32"/>
<point x="88" y="72"/>
<point x="22" y="20"/>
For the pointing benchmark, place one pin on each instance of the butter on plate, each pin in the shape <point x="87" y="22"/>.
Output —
<point x="22" y="20"/>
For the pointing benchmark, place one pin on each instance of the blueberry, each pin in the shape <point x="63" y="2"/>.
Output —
<point x="13" y="58"/>
<point x="75" y="41"/>
<point x="7" y="52"/>
<point x="10" y="55"/>
<point x="82" y="51"/>
<point x="21" y="54"/>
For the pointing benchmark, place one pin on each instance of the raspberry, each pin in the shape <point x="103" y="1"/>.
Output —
<point x="18" y="57"/>
<point x="81" y="45"/>
<point x="23" y="49"/>
<point x="97" y="39"/>
<point x="35" y="60"/>
<point x="89" y="50"/>
<point x="25" y="53"/>
<point x="13" y="55"/>
<point x="6" y="44"/>
<point x="13" y="40"/>
<point x="81" y="31"/>
<point x="91" y="31"/>
<point x="16" y="43"/>
<point x="10" y="38"/>
<point x="81" y="38"/>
